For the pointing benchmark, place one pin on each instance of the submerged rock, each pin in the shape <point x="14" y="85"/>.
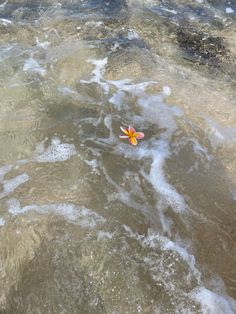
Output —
<point x="108" y="7"/>
<point x="122" y="42"/>
<point x="199" y="47"/>
<point x="206" y="49"/>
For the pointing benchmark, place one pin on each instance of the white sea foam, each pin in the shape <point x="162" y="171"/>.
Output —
<point x="154" y="111"/>
<point x="229" y="10"/>
<point x="126" y="85"/>
<point x="3" y="4"/>
<point x="212" y="303"/>
<point x="85" y="217"/>
<point x="5" y="22"/>
<point x="4" y="53"/>
<point x="155" y="240"/>
<point x="43" y="45"/>
<point x="111" y="139"/>
<point x="94" y="24"/>
<point x="170" y="11"/>
<point x="98" y="74"/>
<point x="201" y="150"/>
<point x="4" y="170"/>
<point x="20" y="163"/>
<point x="108" y="122"/>
<point x="14" y="206"/>
<point x="219" y="135"/>
<point x="66" y="90"/>
<point x="31" y="65"/>
<point x="159" y="182"/>
<point x="104" y="235"/>
<point x="183" y="253"/>
<point x="92" y="163"/>
<point x="55" y="152"/>
<point x="166" y="90"/>
<point x="2" y="222"/>
<point x="117" y="99"/>
<point x="132" y="35"/>
<point x="157" y="112"/>
<point x="11" y="184"/>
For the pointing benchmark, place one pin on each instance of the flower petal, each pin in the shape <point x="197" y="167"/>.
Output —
<point x="139" y="135"/>
<point x="124" y="136"/>
<point x="133" y="140"/>
<point x="131" y="130"/>
<point x="124" y="130"/>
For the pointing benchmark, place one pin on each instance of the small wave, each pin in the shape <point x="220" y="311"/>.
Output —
<point x="212" y="303"/>
<point x="85" y="217"/>
<point x="219" y="135"/>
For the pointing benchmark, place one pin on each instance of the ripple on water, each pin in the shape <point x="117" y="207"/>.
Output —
<point x="104" y="226"/>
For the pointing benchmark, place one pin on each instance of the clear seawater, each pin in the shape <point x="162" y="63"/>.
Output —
<point x="88" y="223"/>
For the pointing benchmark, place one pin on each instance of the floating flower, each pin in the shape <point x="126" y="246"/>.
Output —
<point x="131" y="135"/>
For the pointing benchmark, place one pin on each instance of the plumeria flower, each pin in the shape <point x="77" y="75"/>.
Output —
<point x="131" y="135"/>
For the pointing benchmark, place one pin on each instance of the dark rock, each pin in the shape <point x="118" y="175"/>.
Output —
<point x="222" y="3"/>
<point x="22" y="10"/>
<point x="200" y="47"/>
<point x="122" y="42"/>
<point x="109" y="8"/>
<point x="31" y="10"/>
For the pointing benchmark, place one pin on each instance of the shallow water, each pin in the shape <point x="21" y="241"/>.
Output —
<point x="88" y="223"/>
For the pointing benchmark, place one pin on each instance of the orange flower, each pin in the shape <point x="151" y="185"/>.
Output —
<point x="131" y="135"/>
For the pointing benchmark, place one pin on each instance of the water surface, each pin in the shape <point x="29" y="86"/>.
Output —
<point x="88" y="223"/>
